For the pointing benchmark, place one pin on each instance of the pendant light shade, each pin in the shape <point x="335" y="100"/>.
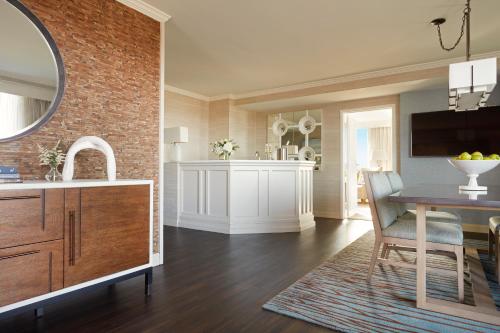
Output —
<point x="470" y="83"/>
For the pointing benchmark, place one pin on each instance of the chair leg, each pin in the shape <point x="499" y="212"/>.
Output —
<point x="376" y="248"/>
<point x="384" y="250"/>
<point x="491" y="243"/>
<point x="387" y="251"/>
<point x="459" y="252"/>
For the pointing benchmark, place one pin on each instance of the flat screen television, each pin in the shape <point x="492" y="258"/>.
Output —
<point x="449" y="133"/>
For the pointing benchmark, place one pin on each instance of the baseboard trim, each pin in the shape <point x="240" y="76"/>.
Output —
<point x="155" y="260"/>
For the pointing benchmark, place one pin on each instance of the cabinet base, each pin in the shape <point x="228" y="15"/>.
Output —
<point x="38" y="307"/>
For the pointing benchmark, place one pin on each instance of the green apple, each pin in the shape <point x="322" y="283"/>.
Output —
<point x="494" y="157"/>
<point x="476" y="156"/>
<point x="464" y="156"/>
<point x="487" y="158"/>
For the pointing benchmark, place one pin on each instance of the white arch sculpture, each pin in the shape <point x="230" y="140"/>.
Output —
<point x="89" y="142"/>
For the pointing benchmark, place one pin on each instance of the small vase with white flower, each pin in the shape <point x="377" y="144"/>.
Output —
<point x="224" y="148"/>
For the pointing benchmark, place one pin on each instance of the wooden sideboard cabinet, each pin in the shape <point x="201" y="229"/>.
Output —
<point x="106" y="231"/>
<point x="56" y="240"/>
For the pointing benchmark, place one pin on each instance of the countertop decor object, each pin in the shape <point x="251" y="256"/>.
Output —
<point x="224" y="148"/>
<point x="53" y="157"/>
<point x="89" y="142"/>
<point x="175" y="136"/>
<point x="473" y="168"/>
<point x="9" y="174"/>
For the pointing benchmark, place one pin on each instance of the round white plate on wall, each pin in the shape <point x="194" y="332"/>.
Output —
<point x="307" y="154"/>
<point x="307" y="125"/>
<point x="280" y="127"/>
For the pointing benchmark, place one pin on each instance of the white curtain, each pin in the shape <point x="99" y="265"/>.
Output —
<point x="18" y="112"/>
<point x="380" y="147"/>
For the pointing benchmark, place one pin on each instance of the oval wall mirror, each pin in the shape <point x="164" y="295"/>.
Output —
<point x="31" y="72"/>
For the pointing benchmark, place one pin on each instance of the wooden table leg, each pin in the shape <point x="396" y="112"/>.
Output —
<point x="421" y="256"/>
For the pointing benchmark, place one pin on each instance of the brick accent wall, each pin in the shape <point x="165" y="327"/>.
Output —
<point x="112" y="58"/>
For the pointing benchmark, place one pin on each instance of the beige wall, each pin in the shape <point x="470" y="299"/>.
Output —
<point x="211" y="121"/>
<point x="218" y="125"/>
<point x="248" y="128"/>
<point x="192" y="113"/>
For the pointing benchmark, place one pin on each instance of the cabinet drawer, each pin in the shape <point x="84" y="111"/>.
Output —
<point x="33" y="216"/>
<point x="29" y="271"/>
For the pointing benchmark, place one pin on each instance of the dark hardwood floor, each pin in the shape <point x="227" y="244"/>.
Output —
<point x="210" y="283"/>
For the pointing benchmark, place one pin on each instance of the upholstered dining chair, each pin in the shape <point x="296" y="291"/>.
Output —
<point x="494" y="243"/>
<point x="395" y="228"/>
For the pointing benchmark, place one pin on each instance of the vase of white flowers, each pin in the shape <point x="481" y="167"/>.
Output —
<point x="52" y="157"/>
<point x="224" y="148"/>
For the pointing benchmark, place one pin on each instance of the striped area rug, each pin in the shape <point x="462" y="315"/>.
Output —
<point x="336" y="295"/>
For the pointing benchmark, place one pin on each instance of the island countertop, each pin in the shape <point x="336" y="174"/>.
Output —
<point x="249" y="162"/>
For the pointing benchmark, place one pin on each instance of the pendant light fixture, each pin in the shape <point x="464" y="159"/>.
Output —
<point x="470" y="82"/>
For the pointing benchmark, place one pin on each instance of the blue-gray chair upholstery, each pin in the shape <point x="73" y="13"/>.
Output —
<point x="397" y="185"/>
<point x="495" y="223"/>
<point x="410" y="214"/>
<point x="436" y="232"/>
<point x="438" y="216"/>
<point x="387" y="212"/>
<point x="403" y="226"/>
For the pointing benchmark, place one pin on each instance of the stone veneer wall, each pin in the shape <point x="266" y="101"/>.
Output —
<point x="111" y="55"/>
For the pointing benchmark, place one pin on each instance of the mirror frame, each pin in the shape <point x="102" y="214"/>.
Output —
<point x="61" y="75"/>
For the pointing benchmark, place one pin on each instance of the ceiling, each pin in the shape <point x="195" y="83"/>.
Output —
<point x="238" y="46"/>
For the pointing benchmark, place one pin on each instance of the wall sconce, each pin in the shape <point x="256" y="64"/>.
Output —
<point x="175" y="136"/>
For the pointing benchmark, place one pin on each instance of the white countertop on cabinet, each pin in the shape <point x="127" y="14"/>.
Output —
<point x="39" y="184"/>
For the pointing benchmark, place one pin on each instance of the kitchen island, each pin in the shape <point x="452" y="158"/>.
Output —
<point x="240" y="196"/>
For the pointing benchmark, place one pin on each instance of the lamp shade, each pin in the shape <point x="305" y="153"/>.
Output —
<point x="471" y="83"/>
<point x="176" y="135"/>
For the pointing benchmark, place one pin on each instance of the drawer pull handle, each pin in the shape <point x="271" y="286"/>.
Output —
<point x="21" y="197"/>
<point x="19" y="255"/>
<point x="72" y="221"/>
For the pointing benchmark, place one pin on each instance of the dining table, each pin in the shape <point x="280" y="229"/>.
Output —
<point x="433" y="196"/>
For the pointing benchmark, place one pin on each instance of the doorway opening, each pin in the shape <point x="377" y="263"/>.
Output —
<point x="368" y="143"/>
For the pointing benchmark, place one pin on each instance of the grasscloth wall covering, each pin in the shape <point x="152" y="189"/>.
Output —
<point x="112" y="58"/>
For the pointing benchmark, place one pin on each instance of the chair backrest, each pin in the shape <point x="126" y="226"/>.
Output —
<point x="397" y="185"/>
<point x="378" y="189"/>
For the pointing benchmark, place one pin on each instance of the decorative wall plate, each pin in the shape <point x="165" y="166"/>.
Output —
<point x="307" y="125"/>
<point x="307" y="154"/>
<point x="280" y="127"/>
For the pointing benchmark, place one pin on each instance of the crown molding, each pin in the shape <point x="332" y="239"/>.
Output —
<point x="222" y="97"/>
<point x="146" y="9"/>
<point x="187" y="93"/>
<point x="366" y="75"/>
<point x="197" y="96"/>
